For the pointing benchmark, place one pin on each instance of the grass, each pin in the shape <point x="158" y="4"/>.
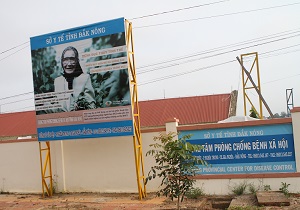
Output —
<point x="195" y="193"/>
<point x="239" y="189"/>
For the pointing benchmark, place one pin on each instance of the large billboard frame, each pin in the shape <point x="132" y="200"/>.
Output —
<point x="81" y="82"/>
<point x="46" y="170"/>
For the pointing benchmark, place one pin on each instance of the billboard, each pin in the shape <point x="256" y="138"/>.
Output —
<point x="246" y="150"/>
<point x="81" y="82"/>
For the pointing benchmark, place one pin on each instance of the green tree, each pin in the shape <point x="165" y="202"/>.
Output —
<point x="176" y="165"/>
<point x="253" y="113"/>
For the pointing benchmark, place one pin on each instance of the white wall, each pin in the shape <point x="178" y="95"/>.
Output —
<point x="225" y="186"/>
<point x="89" y="165"/>
<point x="105" y="165"/>
<point x="20" y="169"/>
<point x="296" y="131"/>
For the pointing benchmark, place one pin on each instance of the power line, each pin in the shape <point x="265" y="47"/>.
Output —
<point x="189" y="72"/>
<point x="284" y="53"/>
<point x="192" y="71"/>
<point x="283" y="48"/>
<point x="190" y="61"/>
<point x="284" y="33"/>
<point x="186" y="8"/>
<point x="21" y="94"/>
<point x="17" y="101"/>
<point x="9" y="111"/>
<point x="14" y="47"/>
<point x="215" y="16"/>
<point x="184" y="73"/>
<point x="281" y="79"/>
<point x="13" y="53"/>
<point x="176" y="21"/>
<point x="208" y="56"/>
<point x="218" y="54"/>
<point x="151" y="15"/>
<point x="177" y="10"/>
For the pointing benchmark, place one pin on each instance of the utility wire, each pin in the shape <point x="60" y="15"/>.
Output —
<point x="215" y="16"/>
<point x="186" y="8"/>
<point x="284" y="53"/>
<point x="14" y="47"/>
<point x="16" y="95"/>
<point x="217" y="54"/>
<point x="184" y="73"/>
<point x="179" y="64"/>
<point x="151" y="15"/>
<point x="223" y="47"/>
<point x="276" y="80"/>
<point x="192" y="71"/>
<point x="283" y="48"/>
<point x="9" y="111"/>
<point x="188" y="72"/>
<point x="155" y="14"/>
<point x="176" y="10"/>
<point x="17" y="101"/>
<point x="176" y="21"/>
<point x="13" y="53"/>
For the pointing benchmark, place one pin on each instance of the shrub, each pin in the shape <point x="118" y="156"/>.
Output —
<point x="239" y="189"/>
<point x="194" y="193"/>
<point x="176" y="165"/>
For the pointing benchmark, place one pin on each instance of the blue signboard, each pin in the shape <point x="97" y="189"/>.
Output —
<point x="253" y="149"/>
<point x="79" y="33"/>
<point x="82" y="83"/>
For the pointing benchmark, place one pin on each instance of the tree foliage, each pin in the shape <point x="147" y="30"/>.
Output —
<point x="253" y="113"/>
<point x="176" y="165"/>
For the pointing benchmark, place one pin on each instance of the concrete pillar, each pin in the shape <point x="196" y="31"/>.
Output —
<point x="171" y="126"/>
<point x="295" y="112"/>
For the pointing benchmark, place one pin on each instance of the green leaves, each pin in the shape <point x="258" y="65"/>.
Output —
<point x="176" y="164"/>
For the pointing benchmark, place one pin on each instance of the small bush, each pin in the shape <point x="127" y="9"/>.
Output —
<point x="239" y="189"/>
<point x="194" y="193"/>
<point x="252" y="188"/>
<point x="284" y="188"/>
<point x="267" y="187"/>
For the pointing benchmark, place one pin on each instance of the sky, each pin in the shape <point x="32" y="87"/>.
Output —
<point x="182" y="48"/>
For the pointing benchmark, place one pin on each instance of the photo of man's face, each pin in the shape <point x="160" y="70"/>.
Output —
<point x="69" y="61"/>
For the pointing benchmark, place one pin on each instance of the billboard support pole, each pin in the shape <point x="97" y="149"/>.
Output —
<point x="46" y="164"/>
<point x="137" y="138"/>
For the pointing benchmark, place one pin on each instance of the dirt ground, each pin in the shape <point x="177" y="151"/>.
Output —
<point x="120" y="201"/>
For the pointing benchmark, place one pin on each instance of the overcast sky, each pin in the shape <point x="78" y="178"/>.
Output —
<point x="188" y="52"/>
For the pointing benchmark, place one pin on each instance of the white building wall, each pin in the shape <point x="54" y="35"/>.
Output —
<point x="20" y="169"/>
<point x="106" y="165"/>
<point x="225" y="186"/>
<point x="296" y="131"/>
<point x="89" y="165"/>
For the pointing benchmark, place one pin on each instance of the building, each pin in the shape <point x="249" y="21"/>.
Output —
<point x="107" y="164"/>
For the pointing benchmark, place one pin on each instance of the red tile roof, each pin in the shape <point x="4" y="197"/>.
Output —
<point x="18" y="124"/>
<point x="189" y="110"/>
